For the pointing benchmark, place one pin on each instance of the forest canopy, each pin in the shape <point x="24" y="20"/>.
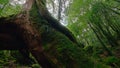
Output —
<point x="60" y="33"/>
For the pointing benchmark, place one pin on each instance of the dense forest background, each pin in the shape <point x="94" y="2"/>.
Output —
<point x="95" y="24"/>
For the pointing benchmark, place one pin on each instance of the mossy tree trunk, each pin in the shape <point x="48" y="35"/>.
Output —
<point x="18" y="33"/>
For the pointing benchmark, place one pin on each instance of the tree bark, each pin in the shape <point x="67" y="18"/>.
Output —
<point x="19" y="33"/>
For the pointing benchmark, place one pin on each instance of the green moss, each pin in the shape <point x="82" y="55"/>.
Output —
<point x="59" y="49"/>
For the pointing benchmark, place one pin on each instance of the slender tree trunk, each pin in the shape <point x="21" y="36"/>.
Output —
<point x="109" y="52"/>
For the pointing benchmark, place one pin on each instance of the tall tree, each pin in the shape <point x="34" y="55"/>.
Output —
<point x="34" y="27"/>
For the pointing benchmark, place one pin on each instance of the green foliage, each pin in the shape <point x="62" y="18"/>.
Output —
<point x="5" y="58"/>
<point x="95" y="24"/>
<point x="78" y="22"/>
<point x="110" y="60"/>
<point x="101" y="65"/>
<point x="35" y="66"/>
<point x="7" y="9"/>
<point x="105" y="21"/>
